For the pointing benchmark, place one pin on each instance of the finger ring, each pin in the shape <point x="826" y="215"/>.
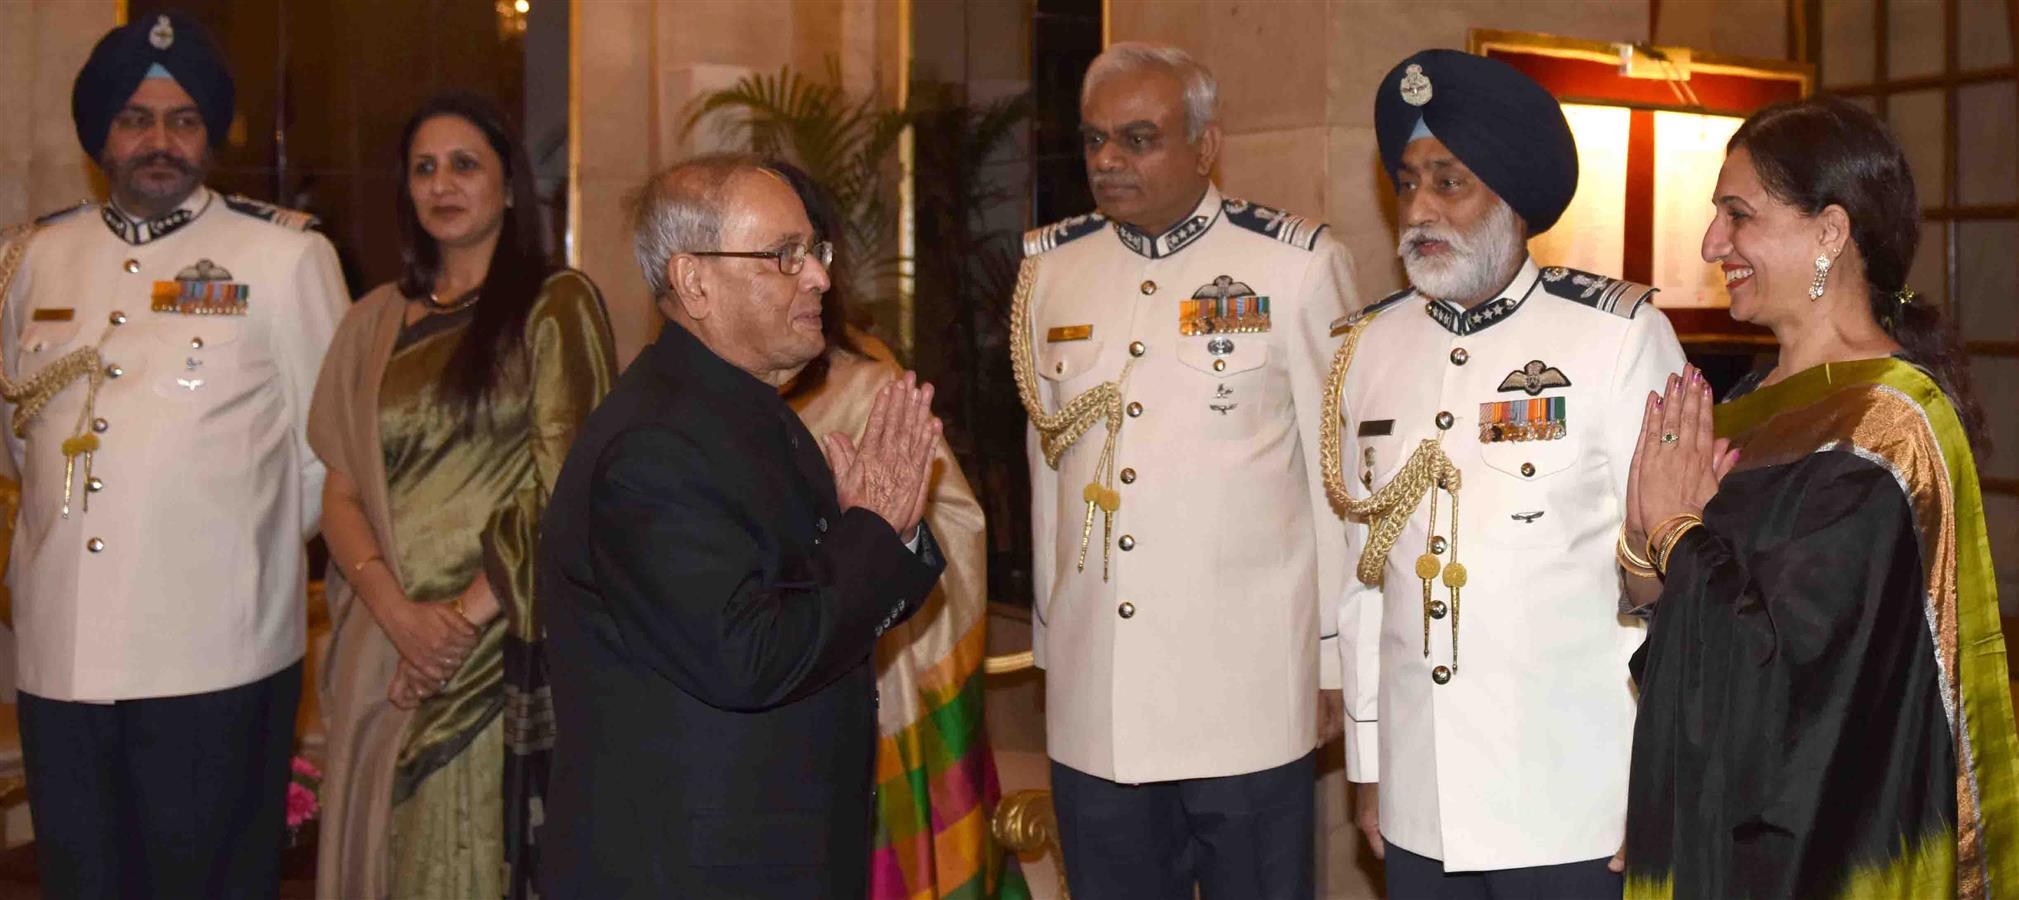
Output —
<point x="1669" y="437"/>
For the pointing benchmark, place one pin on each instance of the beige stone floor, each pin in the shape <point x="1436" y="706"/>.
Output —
<point x="1015" y="708"/>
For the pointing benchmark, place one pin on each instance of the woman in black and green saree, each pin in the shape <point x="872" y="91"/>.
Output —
<point x="1824" y="699"/>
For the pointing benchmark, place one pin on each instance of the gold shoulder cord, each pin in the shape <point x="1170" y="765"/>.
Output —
<point x="1389" y="507"/>
<point x="30" y="395"/>
<point x="1058" y="432"/>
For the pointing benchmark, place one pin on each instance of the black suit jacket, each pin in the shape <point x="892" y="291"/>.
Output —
<point x="710" y="615"/>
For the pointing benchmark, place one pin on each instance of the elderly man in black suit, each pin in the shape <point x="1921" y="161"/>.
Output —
<point x="713" y="587"/>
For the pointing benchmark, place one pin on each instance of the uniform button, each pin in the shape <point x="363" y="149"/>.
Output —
<point x="1441" y="675"/>
<point x="133" y="265"/>
<point x="1137" y="348"/>
<point x="1438" y="609"/>
<point x="1459" y="356"/>
<point x="1219" y="365"/>
<point x="1135" y="409"/>
<point x="94" y="545"/>
<point x="1437" y="544"/>
<point x="1444" y="421"/>
<point x="1149" y="287"/>
<point x="1128" y="476"/>
<point x="820" y="525"/>
<point x="114" y="371"/>
<point x="1060" y="368"/>
<point x="1528" y="470"/>
<point x="1126" y="610"/>
<point x="1128" y="542"/>
<point x="99" y="425"/>
<point x="95" y="485"/>
<point x="117" y="317"/>
<point x="196" y="343"/>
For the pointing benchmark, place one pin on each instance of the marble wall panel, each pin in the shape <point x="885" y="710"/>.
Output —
<point x="1732" y="27"/>
<point x="42" y="45"/>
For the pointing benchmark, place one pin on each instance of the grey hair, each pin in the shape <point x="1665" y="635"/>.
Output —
<point x="680" y="211"/>
<point x="1202" y="90"/>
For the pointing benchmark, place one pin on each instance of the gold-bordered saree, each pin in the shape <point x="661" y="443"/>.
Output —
<point x="1825" y="706"/>
<point x="445" y="800"/>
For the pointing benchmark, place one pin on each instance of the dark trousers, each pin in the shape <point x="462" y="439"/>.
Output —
<point x="1413" y="877"/>
<point x="169" y="797"/>
<point x="1240" y="837"/>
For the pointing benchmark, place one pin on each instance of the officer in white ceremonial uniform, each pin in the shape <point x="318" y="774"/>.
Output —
<point x="160" y="350"/>
<point x="1183" y="543"/>
<point x="1489" y="419"/>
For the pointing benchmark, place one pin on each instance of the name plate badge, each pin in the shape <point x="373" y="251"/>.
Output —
<point x="1065" y="333"/>
<point x="53" y="314"/>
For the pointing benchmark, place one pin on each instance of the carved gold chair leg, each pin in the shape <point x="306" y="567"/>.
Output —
<point x="1025" y="823"/>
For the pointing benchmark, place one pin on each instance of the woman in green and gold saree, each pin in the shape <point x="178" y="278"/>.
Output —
<point x="1824" y="700"/>
<point x="445" y="407"/>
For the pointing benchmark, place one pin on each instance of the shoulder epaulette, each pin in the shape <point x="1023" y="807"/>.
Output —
<point x="278" y="215"/>
<point x="47" y="218"/>
<point x="1370" y="310"/>
<point x="1621" y="298"/>
<point x="1289" y="228"/>
<point x="1064" y="231"/>
<point x="10" y="232"/>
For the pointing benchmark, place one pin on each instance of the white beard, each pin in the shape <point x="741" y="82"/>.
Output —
<point x="1474" y="265"/>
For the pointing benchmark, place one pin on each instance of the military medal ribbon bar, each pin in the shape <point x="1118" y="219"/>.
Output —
<point x="202" y="298"/>
<point x="1539" y="419"/>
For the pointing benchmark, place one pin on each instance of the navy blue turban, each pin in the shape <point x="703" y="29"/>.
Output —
<point x="1502" y="125"/>
<point x="125" y="56"/>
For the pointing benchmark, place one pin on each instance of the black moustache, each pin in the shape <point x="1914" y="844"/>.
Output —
<point x="165" y="158"/>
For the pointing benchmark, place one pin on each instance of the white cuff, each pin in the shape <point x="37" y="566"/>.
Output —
<point x="1363" y="751"/>
<point x="1329" y="678"/>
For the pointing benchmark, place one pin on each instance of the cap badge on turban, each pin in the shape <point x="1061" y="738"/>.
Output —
<point x="1415" y="86"/>
<point x="163" y="35"/>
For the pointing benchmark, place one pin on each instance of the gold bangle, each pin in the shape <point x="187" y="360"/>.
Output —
<point x="358" y="568"/>
<point x="1633" y="565"/>
<point x="1674" y="538"/>
<point x="1655" y="534"/>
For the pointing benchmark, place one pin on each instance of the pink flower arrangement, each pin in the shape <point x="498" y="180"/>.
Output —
<point x="302" y="804"/>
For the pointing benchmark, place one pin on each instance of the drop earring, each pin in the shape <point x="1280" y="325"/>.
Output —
<point x="1822" y="275"/>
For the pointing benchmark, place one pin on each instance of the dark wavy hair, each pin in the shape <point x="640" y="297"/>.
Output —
<point x="487" y="354"/>
<point x="827" y="226"/>
<point x="1826" y="150"/>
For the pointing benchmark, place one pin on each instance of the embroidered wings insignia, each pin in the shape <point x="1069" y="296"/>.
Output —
<point x="1534" y="378"/>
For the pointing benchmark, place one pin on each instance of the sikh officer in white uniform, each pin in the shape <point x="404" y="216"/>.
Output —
<point x="159" y="354"/>
<point x="1171" y="351"/>
<point x="1490" y="414"/>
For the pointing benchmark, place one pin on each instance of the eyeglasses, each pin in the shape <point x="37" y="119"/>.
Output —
<point x="791" y="259"/>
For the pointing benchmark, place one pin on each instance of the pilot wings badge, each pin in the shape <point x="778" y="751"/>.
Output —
<point x="1534" y="378"/>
